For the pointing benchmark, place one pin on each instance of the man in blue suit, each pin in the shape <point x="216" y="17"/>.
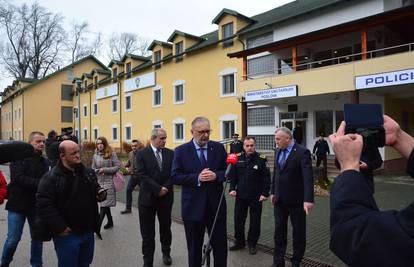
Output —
<point x="292" y="195"/>
<point x="199" y="168"/>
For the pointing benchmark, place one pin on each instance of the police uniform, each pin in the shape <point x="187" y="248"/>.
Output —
<point x="236" y="146"/>
<point x="250" y="179"/>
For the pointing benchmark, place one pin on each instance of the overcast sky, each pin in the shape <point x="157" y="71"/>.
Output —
<point x="155" y="19"/>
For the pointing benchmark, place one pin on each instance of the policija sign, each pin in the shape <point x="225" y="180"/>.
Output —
<point x="385" y="79"/>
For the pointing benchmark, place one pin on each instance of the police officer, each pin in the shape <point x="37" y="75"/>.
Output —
<point x="250" y="184"/>
<point x="236" y="146"/>
<point x="321" y="148"/>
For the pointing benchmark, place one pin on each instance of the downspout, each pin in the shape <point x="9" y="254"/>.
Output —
<point x="90" y="115"/>
<point x="242" y="100"/>
<point x="120" y="115"/>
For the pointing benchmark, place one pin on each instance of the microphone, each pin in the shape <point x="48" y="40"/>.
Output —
<point x="231" y="160"/>
<point x="15" y="150"/>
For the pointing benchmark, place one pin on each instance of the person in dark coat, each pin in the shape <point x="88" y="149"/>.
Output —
<point x="236" y="146"/>
<point x="25" y="176"/>
<point x="292" y="195"/>
<point x="361" y="234"/>
<point x="52" y="145"/>
<point x="199" y="167"/>
<point x="298" y="133"/>
<point x="250" y="184"/>
<point x="321" y="149"/>
<point x="66" y="202"/>
<point x="156" y="196"/>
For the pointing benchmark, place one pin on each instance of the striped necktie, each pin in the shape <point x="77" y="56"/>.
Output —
<point x="158" y="156"/>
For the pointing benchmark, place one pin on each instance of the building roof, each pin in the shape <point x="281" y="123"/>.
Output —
<point x="101" y="71"/>
<point x="116" y="62"/>
<point x="137" y="57"/>
<point x="288" y="11"/>
<point x="161" y="43"/>
<point x="225" y="11"/>
<point x="183" y="34"/>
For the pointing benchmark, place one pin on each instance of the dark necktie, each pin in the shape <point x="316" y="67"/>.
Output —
<point x="203" y="158"/>
<point x="282" y="158"/>
<point x="158" y="156"/>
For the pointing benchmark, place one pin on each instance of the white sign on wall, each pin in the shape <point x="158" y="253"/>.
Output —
<point x="139" y="82"/>
<point x="272" y="93"/>
<point x="384" y="79"/>
<point x="107" y="91"/>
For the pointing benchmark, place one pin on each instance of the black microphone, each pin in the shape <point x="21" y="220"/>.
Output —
<point x="231" y="160"/>
<point x="15" y="150"/>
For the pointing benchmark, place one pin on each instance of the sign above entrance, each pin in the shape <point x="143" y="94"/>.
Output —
<point x="272" y="93"/>
<point x="139" y="82"/>
<point x="385" y="79"/>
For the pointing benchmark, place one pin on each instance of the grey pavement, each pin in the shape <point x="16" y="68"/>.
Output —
<point x="121" y="245"/>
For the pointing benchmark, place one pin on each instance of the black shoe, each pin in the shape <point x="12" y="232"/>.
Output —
<point x="126" y="211"/>
<point x="236" y="247"/>
<point x="109" y="225"/>
<point x="147" y="265"/>
<point x="166" y="259"/>
<point x="252" y="250"/>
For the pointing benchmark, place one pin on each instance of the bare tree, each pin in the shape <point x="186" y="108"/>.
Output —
<point x="34" y="40"/>
<point x="126" y="43"/>
<point x="81" y="42"/>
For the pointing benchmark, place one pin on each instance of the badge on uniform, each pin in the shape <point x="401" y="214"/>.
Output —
<point x="255" y="167"/>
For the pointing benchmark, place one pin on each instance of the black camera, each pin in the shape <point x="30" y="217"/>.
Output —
<point x="366" y="120"/>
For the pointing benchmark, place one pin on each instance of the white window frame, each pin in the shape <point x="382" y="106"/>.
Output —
<point x="175" y="122"/>
<point x="95" y="128"/>
<point x="114" y="126"/>
<point x="95" y="111"/>
<point x="83" y="110"/>
<point x="112" y="104"/>
<point x="130" y="96"/>
<point x="157" y="122"/>
<point x="128" y="124"/>
<point x="156" y="88"/>
<point x="176" y="83"/>
<point x="224" y="72"/>
<point x="225" y="118"/>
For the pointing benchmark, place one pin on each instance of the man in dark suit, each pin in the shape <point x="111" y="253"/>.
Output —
<point x="199" y="167"/>
<point x="292" y="195"/>
<point x="153" y="169"/>
<point x="236" y="146"/>
<point x="361" y="234"/>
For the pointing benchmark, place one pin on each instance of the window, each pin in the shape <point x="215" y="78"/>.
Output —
<point x="228" y="129"/>
<point x="114" y="105"/>
<point x="85" y="110"/>
<point x="128" y="70"/>
<point x="178" y="132"/>
<point x="323" y="122"/>
<point x="264" y="116"/>
<point x="227" y="84"/>
<point x="179" y="48"/>
<point x="128" y="132"/>
<point x="157" y="126"/>
<point x="114" y="74"/>
<point x="85" y="134"/>
<point x="95" y="109"/>
<point x="178" y="93"/>
<point x="260" y="40"/>
<point x="261" y="65"/>
<point x="85" y="85"/>
<point x="76" y="132"/>
<point x="157" y="58"/>
<point x="95" y="133"/>
<point x="114" y="133"/>
<point x="227" y="32"/>
<point x="128" y="103"/>
<point x="66" y="114"/>
<point x="156" y="96"/>
<point x="95" y="82"/>
<point x="20" y="113"/>
<point x="66" y="92"/>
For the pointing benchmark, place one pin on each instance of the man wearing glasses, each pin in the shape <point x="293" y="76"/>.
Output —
<point x="199" y="167"/>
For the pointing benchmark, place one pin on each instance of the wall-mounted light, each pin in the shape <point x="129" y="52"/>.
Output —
<point x="269" y="85"/>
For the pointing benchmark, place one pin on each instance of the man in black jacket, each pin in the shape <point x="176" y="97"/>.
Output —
<point x="24" y="179"/>
<point x="250" y="184"/>
<point x="66" y="201"/>
<point x="361" y="235"/>
<point x="321" y="148"/>
<point x="153" y="168"/>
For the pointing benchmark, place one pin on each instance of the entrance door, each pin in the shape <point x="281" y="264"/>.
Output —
<point x="288" y="123"/>
<point x="293" y="124"/>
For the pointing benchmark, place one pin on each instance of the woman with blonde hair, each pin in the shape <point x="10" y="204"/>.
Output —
<point x="106" y="164"/>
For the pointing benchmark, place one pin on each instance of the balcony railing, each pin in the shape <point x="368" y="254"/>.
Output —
<point x="289" y="68"/>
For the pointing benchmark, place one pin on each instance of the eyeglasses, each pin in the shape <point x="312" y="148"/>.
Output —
<point x="203" y="132"/>
<point x="163" y="138"/>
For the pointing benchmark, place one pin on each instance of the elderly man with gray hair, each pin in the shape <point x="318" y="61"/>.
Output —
<point x="291" y="195"/>
<point x="153" y="169"/>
